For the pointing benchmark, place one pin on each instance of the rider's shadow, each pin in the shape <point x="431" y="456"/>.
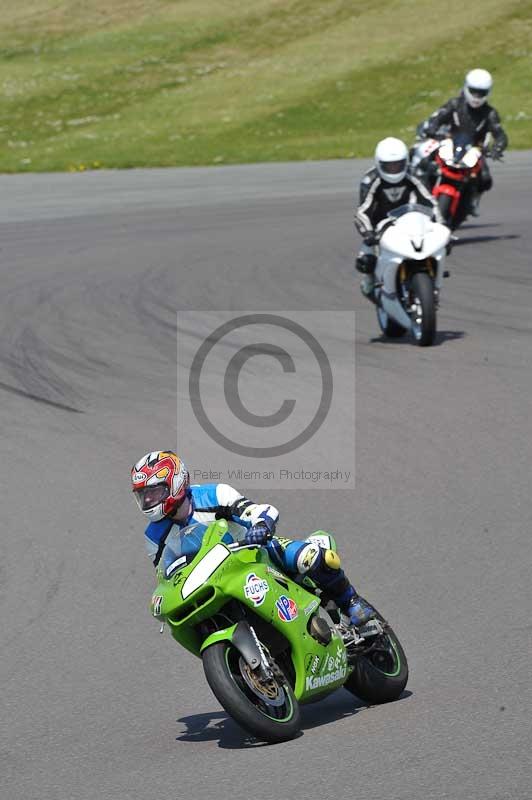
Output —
<point x="218" y="726"/>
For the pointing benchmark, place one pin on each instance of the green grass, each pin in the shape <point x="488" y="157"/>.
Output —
<point x="176" y="82"/>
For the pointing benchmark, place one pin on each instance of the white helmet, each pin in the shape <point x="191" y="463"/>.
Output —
<point x="477" y="87"/>
<point x="391" y="159"/>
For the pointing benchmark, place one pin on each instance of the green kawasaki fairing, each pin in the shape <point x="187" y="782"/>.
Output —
<point x="265" y="641"/>
<point x="202" y="601"/>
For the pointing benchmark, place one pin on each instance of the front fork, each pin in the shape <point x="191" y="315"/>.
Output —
<point x="409" y="302"/>
<point x="243" y="637"/>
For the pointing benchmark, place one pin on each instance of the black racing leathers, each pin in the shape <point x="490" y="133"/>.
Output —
<point x="378" y="198"/>
<point x="476" y="122"/>
<point x="459" y="117"/>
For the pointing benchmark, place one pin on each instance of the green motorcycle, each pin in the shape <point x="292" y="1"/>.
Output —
<point x="267" y="642"/>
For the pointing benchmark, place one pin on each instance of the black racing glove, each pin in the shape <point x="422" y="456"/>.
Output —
<point x="370" y="239"/>
<point x="259" y="534"/>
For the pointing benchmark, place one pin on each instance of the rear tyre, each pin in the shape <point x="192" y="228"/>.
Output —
<point x="380" y="676"/>
<point x="423" y="309"/>
<point x="389" y="326"/>
<point x="267" y="710"/>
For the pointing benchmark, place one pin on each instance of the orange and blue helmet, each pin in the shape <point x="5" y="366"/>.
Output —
<point x="160" y="483"/>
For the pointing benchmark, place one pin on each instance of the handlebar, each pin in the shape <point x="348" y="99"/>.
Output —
<point x="241" y="545"/>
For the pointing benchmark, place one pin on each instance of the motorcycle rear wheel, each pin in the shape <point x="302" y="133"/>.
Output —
<point x="270" y="713"/>
<point x="389" y="326"/>
<point x="424" y="317"/>
<point x="380" y="676"/>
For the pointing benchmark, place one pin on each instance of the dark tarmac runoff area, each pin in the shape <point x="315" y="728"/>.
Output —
<point x="436" y="531"/>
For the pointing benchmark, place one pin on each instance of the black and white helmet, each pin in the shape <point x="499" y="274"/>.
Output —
<point x="477" y="86"/>
<point x="391" y="159"/>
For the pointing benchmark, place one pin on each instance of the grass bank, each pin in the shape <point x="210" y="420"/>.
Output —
<point x="184" y="82"/>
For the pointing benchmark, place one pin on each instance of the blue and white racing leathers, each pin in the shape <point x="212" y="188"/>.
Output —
<point x="212" y="501"/>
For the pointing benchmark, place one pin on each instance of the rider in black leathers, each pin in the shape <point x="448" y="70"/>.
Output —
<point x="470" y="113"/>
<point x="384" y="187"/>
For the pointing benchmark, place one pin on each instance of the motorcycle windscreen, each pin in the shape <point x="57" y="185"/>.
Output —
<point x="407" y="208"/>
<point x="181" y="546"/>
<point x="462" y="143"/>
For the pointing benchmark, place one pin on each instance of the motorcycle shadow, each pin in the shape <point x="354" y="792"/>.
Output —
<point x="467" y="225"/>
<point x="441" y="338"/>
<point x="340" y="705"/>
<point x="217" y="726"/>
<point x="480" y="239"/>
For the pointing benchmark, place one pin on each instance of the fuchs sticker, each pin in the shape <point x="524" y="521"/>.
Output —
<point x="255" y="589"/>
<point x="156" y="604"/>
<point x="286" y="608"/>
<point x="138" y="477"/>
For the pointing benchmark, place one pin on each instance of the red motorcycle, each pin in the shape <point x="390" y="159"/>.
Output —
<point x="458" y="163"/>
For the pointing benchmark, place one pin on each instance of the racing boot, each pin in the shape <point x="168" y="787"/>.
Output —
<point x="367" y="286"/>
<point x="359" y="611"/>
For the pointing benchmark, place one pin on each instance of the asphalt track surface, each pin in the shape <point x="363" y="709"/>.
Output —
<point x="437" y="531"/>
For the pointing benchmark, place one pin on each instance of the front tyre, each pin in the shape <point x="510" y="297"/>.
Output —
<point x="444" y="203"/>
<point x="389" y="326"/>
<point x="423" y="309"/>
<point x="268" y="710"/>
<point x="381" y="672"/>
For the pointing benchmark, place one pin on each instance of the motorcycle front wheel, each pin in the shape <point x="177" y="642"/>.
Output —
<point x="423" y="309"/>
<point x="267" y="709"/>
<point x="444" y="203"/>
<point x="462" y="212"/>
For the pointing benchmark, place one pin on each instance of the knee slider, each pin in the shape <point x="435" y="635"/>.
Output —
<point x="366" y="263"/>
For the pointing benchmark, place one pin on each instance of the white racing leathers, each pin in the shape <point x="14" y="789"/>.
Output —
<point x="212" y="501"/>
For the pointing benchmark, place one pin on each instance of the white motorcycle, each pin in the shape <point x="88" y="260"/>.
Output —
<point x="409" y="272"/>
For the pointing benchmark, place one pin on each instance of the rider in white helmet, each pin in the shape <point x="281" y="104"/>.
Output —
<point x="477" y="86"/>
<point x="384" y="187"/>
<point x="471" y="113"/>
